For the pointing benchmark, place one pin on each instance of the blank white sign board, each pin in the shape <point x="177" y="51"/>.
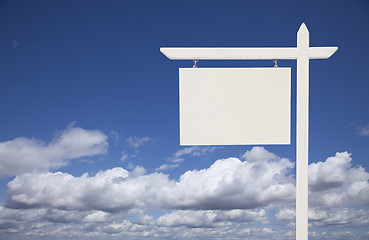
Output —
<point x="234" y="106"/>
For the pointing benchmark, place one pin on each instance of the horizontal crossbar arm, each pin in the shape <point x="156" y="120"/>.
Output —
<point x="215" y="53"/>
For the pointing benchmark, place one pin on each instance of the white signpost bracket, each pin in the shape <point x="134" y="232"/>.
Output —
<point x="302" y="53"/>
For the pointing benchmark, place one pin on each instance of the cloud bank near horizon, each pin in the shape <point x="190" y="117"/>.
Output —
<point x="232" y="197"/>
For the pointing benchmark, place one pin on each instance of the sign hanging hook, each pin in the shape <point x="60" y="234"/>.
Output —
<point x="194" y="63"/>
<point x="275" y="63"/>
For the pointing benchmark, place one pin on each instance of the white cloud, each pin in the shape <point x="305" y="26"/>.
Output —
<point x="23" y="155"/>
<point x="192" y="219"/>
<point x="124" y="156"/>
<point x="195" y="151"/>
<point x="166" y="166"/>
<point x="234" y="224"/>
<point x="231" y="183"/>
<point x="210" y="218"/>
<point x="48" y="221"/>
<point x="178" y="156"/>
<point x="259" y="154"/>
<point x="335" y="182"/>
<point x="136" y="142"/>
<point x="231" y="198"/>
<point x="176" y="160"/>
<point x="320" y="216"/>
<point x="342" y="217"/>
<point x="332" y="173"/>
<point x="286" y="214"/>
<point x="363" y="131"/>
<point x="227" y="184"/>
<point x="111" y="190"/>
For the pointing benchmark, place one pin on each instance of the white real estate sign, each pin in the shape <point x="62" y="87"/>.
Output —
<point x="239" y="110"/>
<point x="235" y="106"/>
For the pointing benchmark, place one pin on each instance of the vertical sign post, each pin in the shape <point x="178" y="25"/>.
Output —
<point x="302" y="133"/>
<point x="302" y="53"/>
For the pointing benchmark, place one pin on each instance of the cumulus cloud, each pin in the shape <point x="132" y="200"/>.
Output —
<point x="336" y="190"/>
<point x="55" y="223"/>
<point x="224" y="200"/>
<point x="332" y="173"/>
<point x="286" y="214"/>
<point x="210" y="218"/>
<point x="226" y="184"/>
<point x="348" y="217"/>
<point x="334" y="182"/>
<point x="136" y="142"/>
<point x="111" y="190"/>
<point x="23" y="155"/>
<point x="259" y="154"/>
<point x="321" y="216"/>
<point x="234" y="184"/>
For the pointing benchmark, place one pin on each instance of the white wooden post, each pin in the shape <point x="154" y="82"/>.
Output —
<point x="302" y="133"/>
<point x="302" y="53"/>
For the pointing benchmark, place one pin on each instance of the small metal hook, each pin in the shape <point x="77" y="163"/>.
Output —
<point x="275" y="63"/>
<point x="195" y="61"/>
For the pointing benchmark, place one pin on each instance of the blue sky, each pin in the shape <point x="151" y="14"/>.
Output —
<point x="89" y="127"/>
